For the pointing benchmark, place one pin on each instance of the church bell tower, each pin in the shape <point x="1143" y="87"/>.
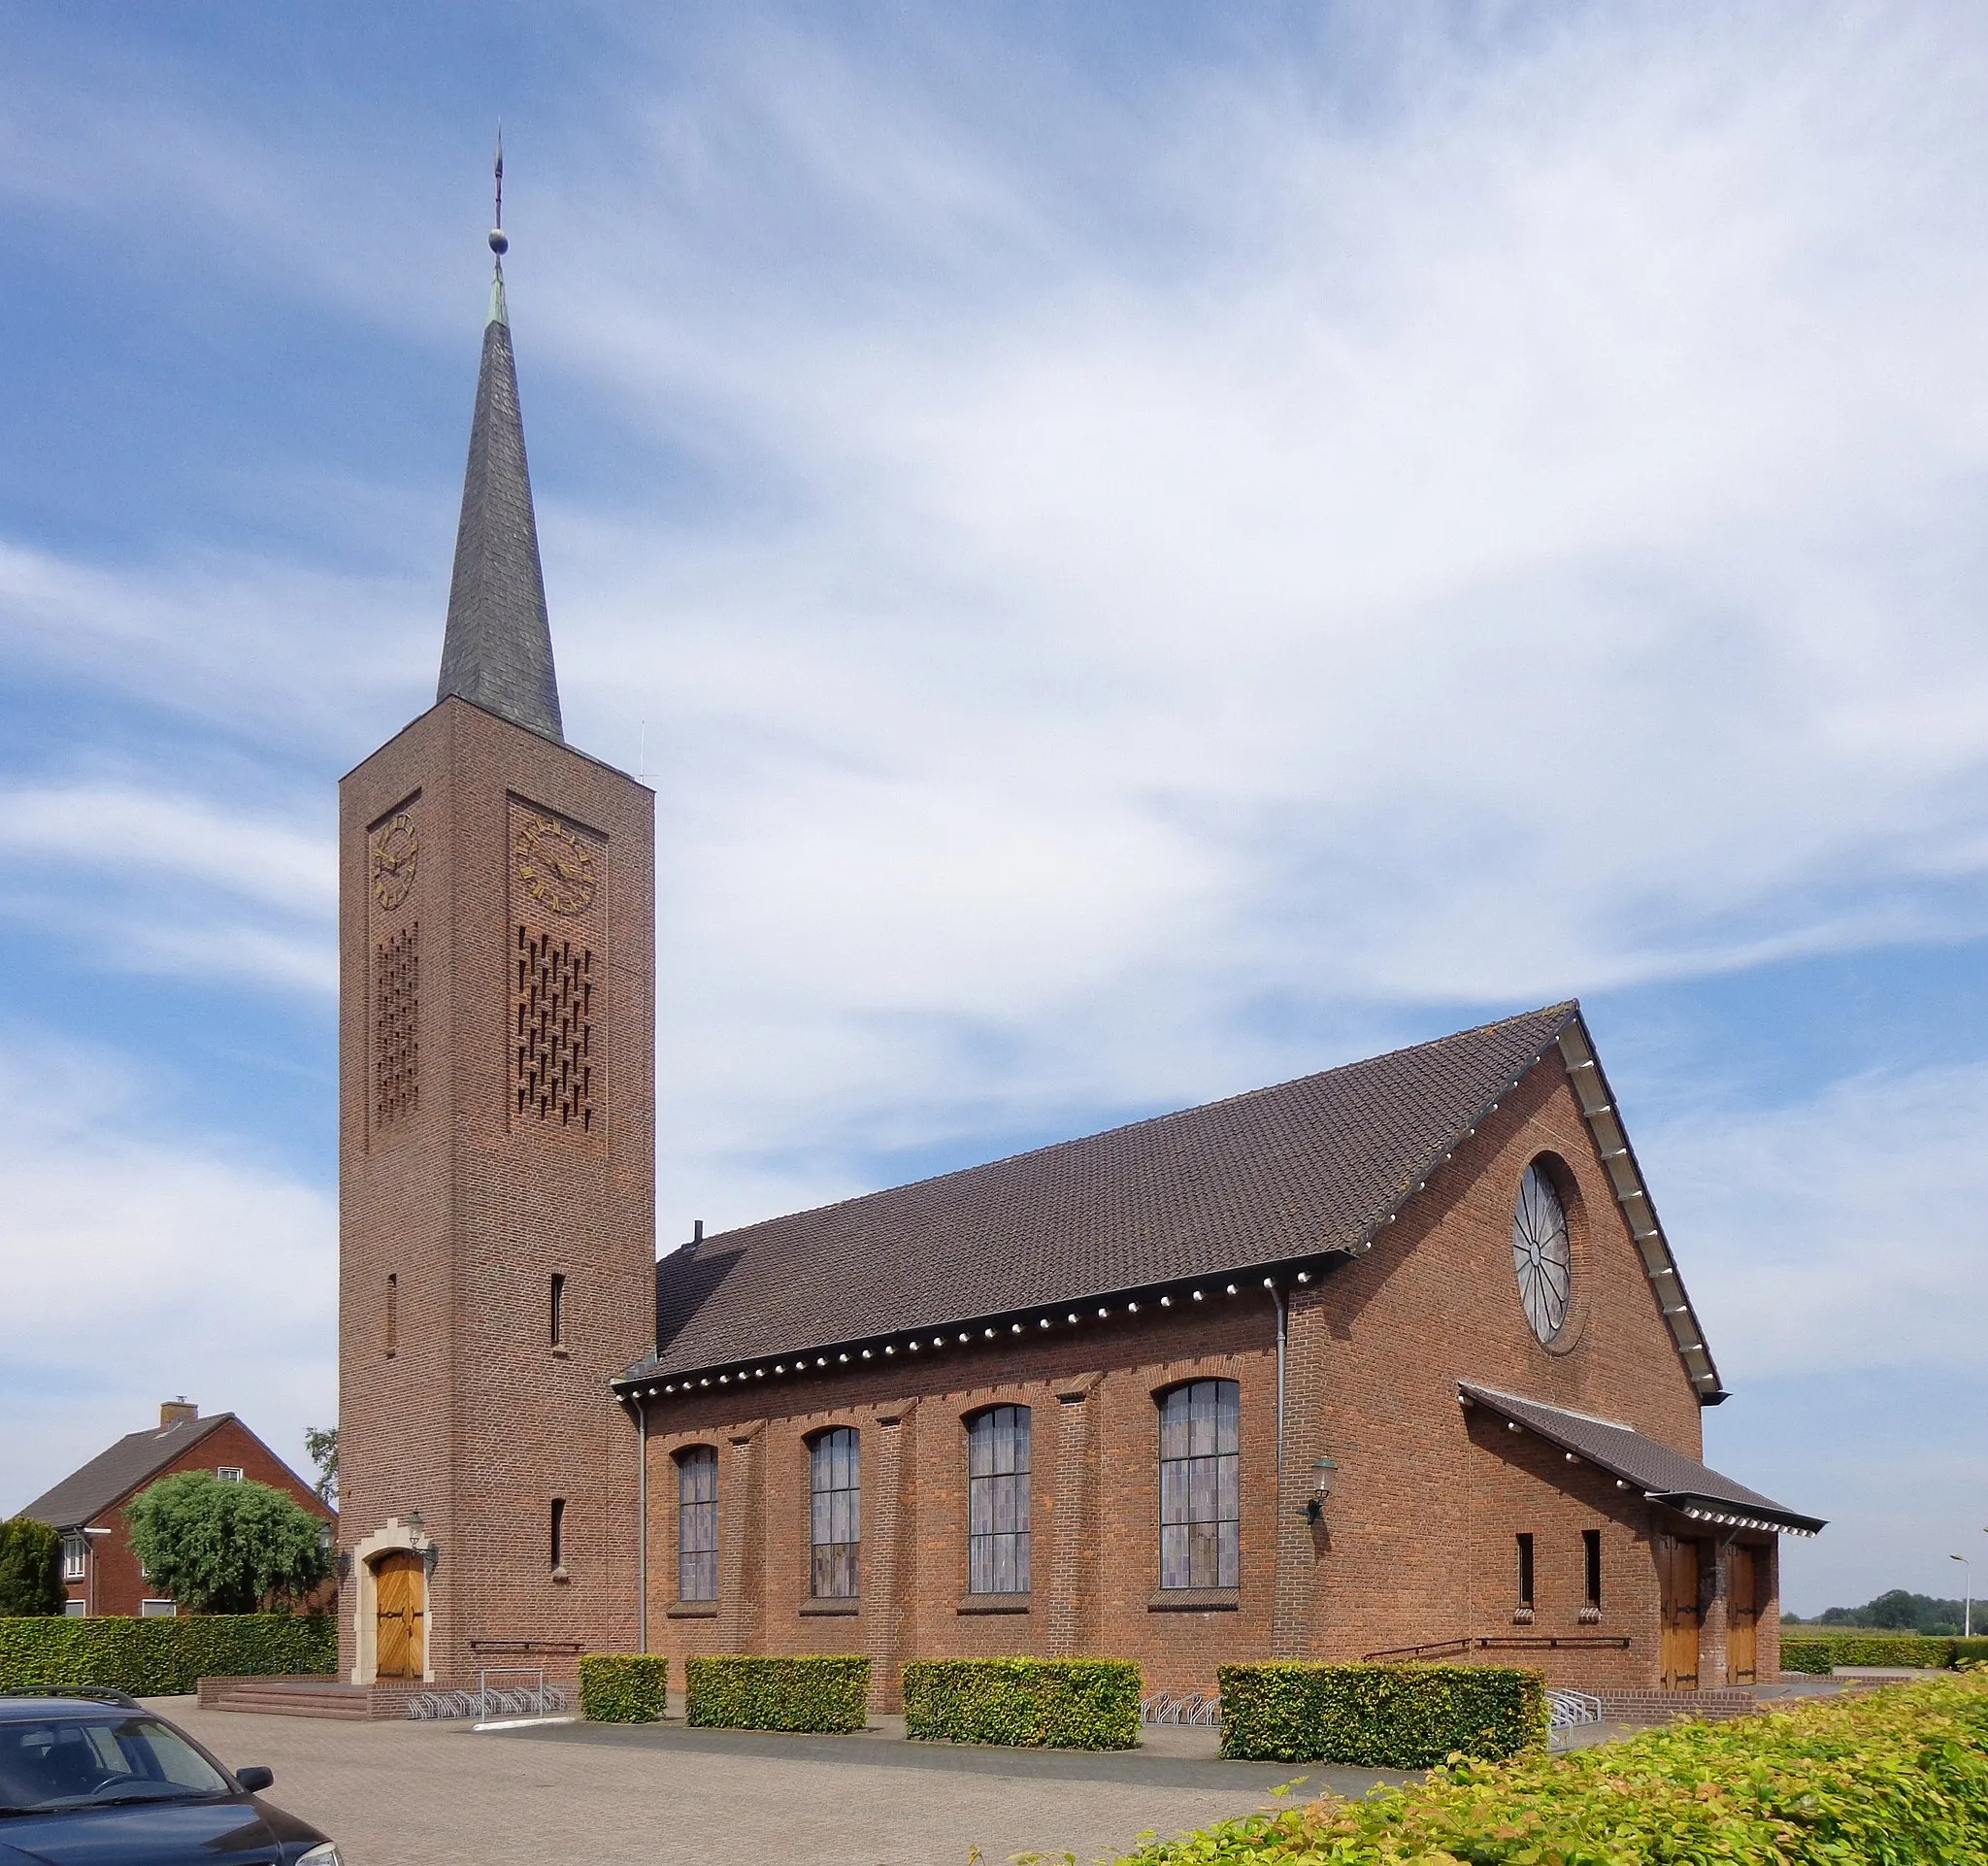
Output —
<point x="496" y="1134"/>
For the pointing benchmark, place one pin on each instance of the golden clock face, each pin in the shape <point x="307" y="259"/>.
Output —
<point x="396" y="850"/>
<point x="556" y="868"/>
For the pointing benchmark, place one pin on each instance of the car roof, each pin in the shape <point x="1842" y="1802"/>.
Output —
<point x="41" y="1709"/>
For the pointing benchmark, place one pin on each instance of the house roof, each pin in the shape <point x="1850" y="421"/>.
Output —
<point x="111" y="1475"/>
<point x="1300" y="1170"/>
<point x="1663" y="1475"/>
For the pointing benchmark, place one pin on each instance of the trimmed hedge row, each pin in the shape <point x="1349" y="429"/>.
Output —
<point x="623" y="1687"/>
<point x="1027" y="1702"/>
<point x="1380" y="1716"/>
<point x="1895" y="1776"/>
<point x="825" y="1692"/>
<point x="164" y="1657"/>
<point x="1817" y="1653"/>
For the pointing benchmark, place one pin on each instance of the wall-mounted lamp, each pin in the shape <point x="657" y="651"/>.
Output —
<point x="1323" y="1475"/>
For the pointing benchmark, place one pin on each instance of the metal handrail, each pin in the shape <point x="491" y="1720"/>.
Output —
<point x="1506" y="1642"/>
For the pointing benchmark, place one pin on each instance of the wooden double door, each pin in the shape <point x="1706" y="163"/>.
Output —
<point x="400" y="1594"/>
<point x="1677" y="1576"/>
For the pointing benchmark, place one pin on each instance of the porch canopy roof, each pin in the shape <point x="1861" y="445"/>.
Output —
<point x="1663" y="1475"/>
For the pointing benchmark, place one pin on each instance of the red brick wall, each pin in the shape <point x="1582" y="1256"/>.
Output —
<point x="114" y="1584"/>
<point x="1417" y="1541"/>
<point x="475" y="1420"/>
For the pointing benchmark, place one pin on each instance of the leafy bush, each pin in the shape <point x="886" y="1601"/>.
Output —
<point x="162" y="1657"/>
<point x="1895" y="1776"/>
<point x="825" y="1692"/>
<point x="623" y="1687"/>
<point x="1380" y="1716"/>
<point x="30" y="1568"/>
<point x="1031" y="1703"/>
<point x="227" y="1548"/>
<point x="1818" y="1652"/>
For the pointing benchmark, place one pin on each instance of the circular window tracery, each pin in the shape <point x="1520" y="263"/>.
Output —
<point x="1542" y="1254"/>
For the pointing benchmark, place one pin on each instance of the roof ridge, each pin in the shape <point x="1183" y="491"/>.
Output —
<point x="1570" y="1005"/>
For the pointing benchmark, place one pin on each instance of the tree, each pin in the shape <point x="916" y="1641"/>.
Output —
<point x="1898" y="1611"/>
<point x="320" y="1445"/>
<point x="227" y="1547"/>
<point x="30" y="1568"/>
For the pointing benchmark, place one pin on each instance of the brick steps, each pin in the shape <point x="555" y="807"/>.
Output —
<point x="307" y="1697"/>
<point x="352" y="1709"/>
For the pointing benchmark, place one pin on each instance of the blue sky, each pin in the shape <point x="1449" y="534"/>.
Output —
<point x="1145" y="551"/>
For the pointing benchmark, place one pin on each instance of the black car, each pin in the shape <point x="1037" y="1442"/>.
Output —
<point x="94" y="1778"/>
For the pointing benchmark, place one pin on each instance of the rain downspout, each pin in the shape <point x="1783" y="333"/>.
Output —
<point x="1278" y="1296"/>
<point x="642" y="1523"/>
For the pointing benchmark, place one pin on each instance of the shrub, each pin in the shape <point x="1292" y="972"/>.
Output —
<point x="1818" y="1652"/>
<point x="1380" y="1716"/>
<point x="623" y="1687"/>
<point x="825" y="1692"/>
<point x="221" y="1548"/>
<point x="1031" y="1703"/>
<point x="163" y="1657"/>
<point x="1895" y="1776"/>
<point x="30" y="1568"/>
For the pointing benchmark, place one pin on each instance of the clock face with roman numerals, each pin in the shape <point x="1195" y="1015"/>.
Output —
<point x="396" y="850"/>
<point x="1542" y="1254"/>
<point x="555" y="867"/>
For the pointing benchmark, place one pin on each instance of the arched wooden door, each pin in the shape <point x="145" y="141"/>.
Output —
<point x="400" y="1588"/>
<point x="1677" y="1570"/>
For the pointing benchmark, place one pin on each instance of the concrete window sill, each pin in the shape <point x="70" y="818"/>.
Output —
<point x="691" y="1609"/>
<point x="994" y="1604"/>
<point x="845" y="1608"/>
<point x="1195" y="1600"/>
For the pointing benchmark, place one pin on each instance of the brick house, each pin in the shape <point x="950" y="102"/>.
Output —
<point x="1393" y="1358"/>
<point x="100" y="1570"/>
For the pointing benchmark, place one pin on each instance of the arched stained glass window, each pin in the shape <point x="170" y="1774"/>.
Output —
<point x="697" y="1523"/>
<point x="1200" y="1495"/>
<point x="1542" y="1254"/>
<point x="997" y="1501"/>
<point x="837" y="1513"/>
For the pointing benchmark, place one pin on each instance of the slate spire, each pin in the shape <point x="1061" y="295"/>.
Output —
<point x="497" y="652"/>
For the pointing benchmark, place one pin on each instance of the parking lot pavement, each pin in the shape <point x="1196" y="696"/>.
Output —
<point x="414" y="1794"/>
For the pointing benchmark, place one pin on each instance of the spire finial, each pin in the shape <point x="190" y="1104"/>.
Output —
<point x="500" y="241"/>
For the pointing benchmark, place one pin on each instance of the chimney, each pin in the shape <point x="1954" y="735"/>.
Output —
<point x="178" y="1411"/>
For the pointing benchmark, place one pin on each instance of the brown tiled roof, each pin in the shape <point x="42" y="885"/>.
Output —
<point x="85" y="1495"/>
<point x="1280" y="1173"/>
<point x="1656" y="1469"/>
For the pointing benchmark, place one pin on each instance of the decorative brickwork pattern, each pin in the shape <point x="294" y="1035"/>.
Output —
<point x="397" y="1026"/>
<point x="555" y="1031"/>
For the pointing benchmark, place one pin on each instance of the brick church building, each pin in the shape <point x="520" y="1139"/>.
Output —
<point x="1394" y="1358"/>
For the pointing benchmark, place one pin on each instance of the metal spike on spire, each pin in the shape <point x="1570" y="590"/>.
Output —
<point x="497" y="651"/>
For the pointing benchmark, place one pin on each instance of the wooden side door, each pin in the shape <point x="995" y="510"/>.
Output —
<point x="1742" y="1618"/>
<point x="1677" y="1568"/>
<point x="400" y="1600"/>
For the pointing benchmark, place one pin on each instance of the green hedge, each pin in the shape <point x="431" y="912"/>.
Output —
<point x="1898" y="1775"/>
<point x="825" y="1692"/>
<point x="623" y="1687"/>
<point x="1803" y="1651"/>
<point x="1380" y="1716"/>
<point x="1030" y="1703"/>
<point x="165" y="1657"/>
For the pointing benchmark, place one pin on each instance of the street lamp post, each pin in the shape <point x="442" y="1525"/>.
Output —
<point x="1966" y="1604"/>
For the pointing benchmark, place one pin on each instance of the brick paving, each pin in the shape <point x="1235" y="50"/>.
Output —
<point x="394" y="1794"/>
